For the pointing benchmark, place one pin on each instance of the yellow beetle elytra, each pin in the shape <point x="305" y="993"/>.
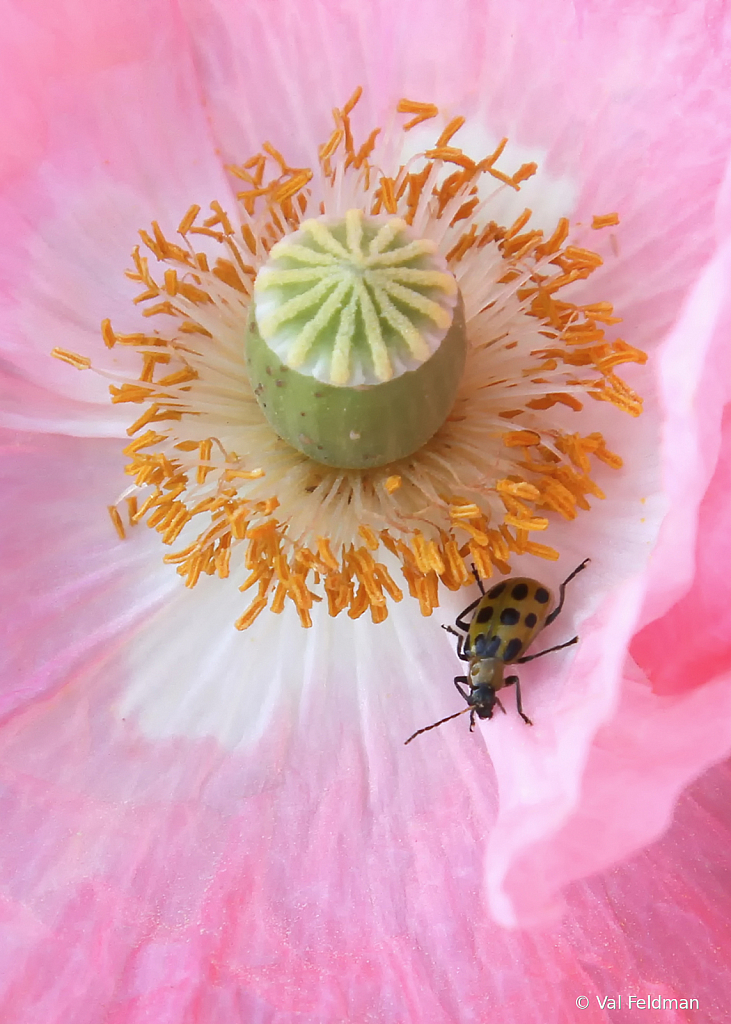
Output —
<point x="505" y="621"/>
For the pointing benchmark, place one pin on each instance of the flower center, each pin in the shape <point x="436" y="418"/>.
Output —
<point x="362" y="374"/>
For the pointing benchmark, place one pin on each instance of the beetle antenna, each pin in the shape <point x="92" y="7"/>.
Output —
<point x="497" y="701"/>
<point x="440" y="722"/>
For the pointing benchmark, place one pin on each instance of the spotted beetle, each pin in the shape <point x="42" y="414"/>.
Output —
<point x="505" y="621"/>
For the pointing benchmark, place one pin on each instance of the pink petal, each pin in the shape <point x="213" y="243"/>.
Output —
<point x="195" y="885"/>
<point x="70" y="589"/>
<point x="658" y="731"/>
<point x="26" y="406"/>
<point x="648" y="139"/>
<point x="114" y="136"/>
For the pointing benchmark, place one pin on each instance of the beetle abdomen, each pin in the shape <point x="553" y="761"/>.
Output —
<point x="508" y="618"/>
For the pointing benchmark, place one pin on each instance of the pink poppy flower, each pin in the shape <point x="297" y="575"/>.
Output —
<point x="201" y="824"/>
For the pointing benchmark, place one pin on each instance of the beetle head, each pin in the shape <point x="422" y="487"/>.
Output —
<point x="486" y="677"/>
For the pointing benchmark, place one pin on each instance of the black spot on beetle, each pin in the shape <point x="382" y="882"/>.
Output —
<point x="485" y="648"/>
<point x="531" y="619"/>
<point x="497" y="590"/>
<point x="485" y="614"/>
<point x="513" y="649"/>
<point x="542" y="595"/>
<point x="509" y="616"/>
<point x="519" y="591"/>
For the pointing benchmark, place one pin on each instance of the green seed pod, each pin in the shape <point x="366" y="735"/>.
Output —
<point x="356" y="340"/>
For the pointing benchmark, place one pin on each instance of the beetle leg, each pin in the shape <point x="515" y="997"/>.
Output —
<point x="472" y="720"/>
<point x="462" y="679"/>
<point x="558" y="647"/>
<point x="562" y="591"/>
<point x="513" y="680"/>
<point x="499" y="702"/>
<point x="461" y="640"/>
<point x="459" y="621"/>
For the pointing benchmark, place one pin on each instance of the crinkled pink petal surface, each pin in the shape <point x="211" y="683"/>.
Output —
<point x="195" y="830"/>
